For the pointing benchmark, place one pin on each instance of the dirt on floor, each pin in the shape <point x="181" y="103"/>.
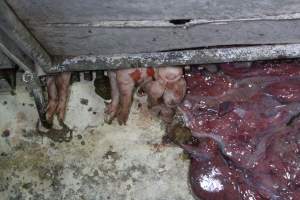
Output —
<point x="96" y="162"/>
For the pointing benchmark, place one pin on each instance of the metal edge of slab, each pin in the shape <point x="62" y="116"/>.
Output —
<point x="184" y="57"/>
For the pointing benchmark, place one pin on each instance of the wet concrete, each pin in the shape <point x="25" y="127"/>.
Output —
<point x="100" y="162"/>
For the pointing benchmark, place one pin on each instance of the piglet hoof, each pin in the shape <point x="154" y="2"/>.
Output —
<point x="108" y="108"/>
<point x="50" y="112"/>
<point x="108" y="119"/>
<point x="61" y="112"/>
<point x="49" y="120"/>
<point x="122" y="118"/>
<point x="109" y="113"/>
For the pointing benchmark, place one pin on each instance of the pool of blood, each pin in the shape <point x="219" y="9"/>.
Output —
<point x="245" y="121"/>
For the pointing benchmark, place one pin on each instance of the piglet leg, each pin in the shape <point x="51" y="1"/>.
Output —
<point x="155" y="91"/>
<point x="112" y="108"/>
<point x="174" y="93"/>
<point x="52" y="98"/>
<point x="126" y="86"/>
<point x="62" y="85"/>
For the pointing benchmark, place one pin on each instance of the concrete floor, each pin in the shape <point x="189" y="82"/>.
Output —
<point x="101" y="162"/>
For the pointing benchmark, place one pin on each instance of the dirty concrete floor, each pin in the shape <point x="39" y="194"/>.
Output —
<point x="101" y="161"/>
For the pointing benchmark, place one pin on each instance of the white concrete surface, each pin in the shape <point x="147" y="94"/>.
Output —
<point x="108" y="162"/>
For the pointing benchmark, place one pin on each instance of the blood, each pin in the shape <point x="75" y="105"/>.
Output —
<point x="136" y="75"/>
<point x="245" y="121"/>
<point x="150" y="72"/>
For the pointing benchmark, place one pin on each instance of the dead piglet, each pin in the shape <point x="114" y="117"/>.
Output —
<point x="167" y="91"/>
<point x="58" y="92"/>
<point x="123" y="83"/>
<point x="175" y="89"/>
<point x="164" y="86"/>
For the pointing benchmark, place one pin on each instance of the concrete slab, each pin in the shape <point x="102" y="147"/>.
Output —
<point x="101" y="161"/>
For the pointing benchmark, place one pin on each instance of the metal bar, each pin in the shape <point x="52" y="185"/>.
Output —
<point x="5" y="63"/>
<point x="185" y="57"/>
<point x="14" y="28"/>
<point x="21" y="37"/>
<point x="36" y="90"/>
<point x="29" y="77"/>
<point x="14" y="58"/>
<point x="14" y="54"/>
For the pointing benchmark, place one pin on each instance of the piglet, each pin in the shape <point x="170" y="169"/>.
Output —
<point x="58" y="92"/>
<point x="165" y="87"/>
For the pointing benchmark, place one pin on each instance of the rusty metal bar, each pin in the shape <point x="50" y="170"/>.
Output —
<point x="9" y="49"/>
<point x="29" y="77"/>
<point x="14" y="28"/>
<point x="185" y="57"/>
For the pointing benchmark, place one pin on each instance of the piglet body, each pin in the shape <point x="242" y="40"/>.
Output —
<point x="164" y="86"/>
